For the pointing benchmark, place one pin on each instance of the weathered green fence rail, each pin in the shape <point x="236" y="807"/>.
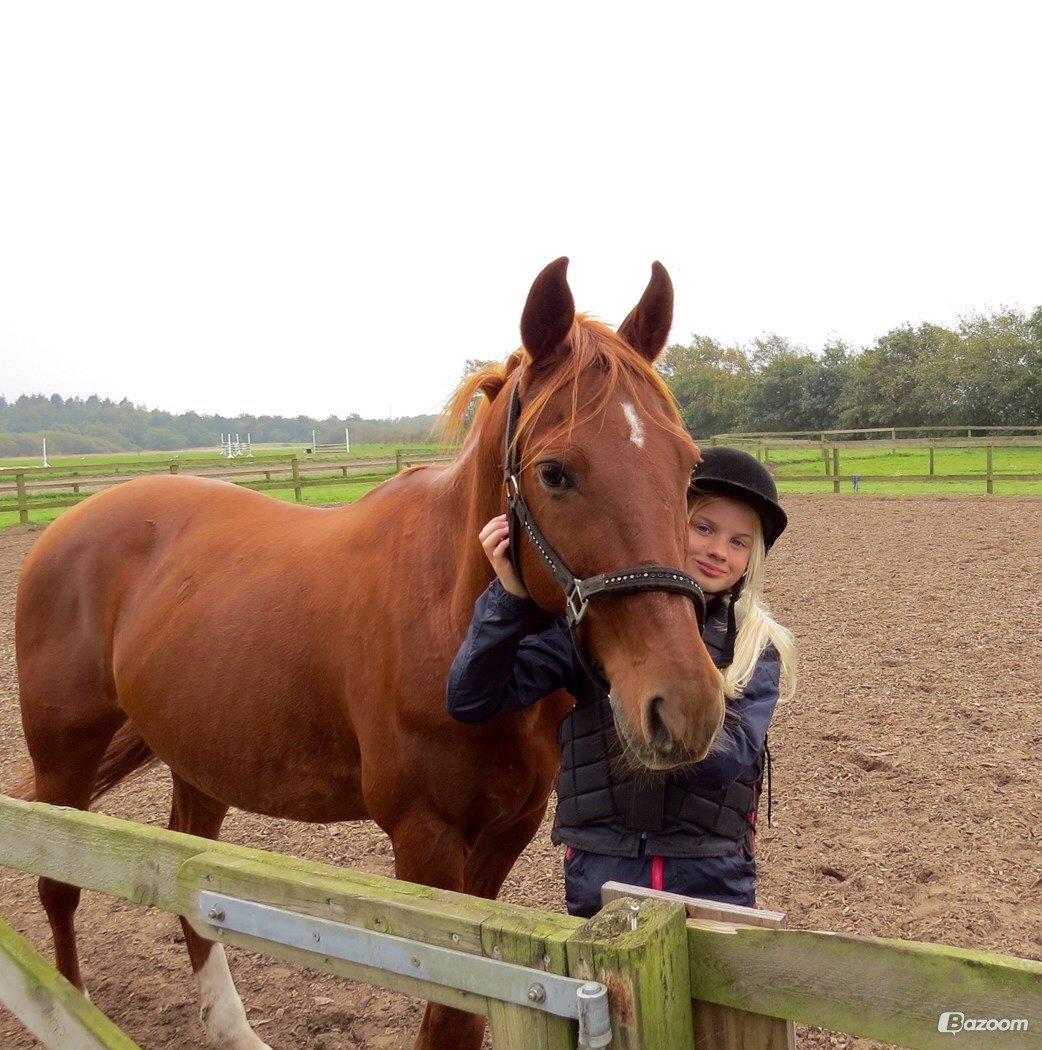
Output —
<point x="660" y="975"/>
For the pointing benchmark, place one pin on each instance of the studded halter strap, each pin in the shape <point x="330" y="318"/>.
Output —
<point x="579" y="592"/>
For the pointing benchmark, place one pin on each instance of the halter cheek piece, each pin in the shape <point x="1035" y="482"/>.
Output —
<point x="579" y="592"/>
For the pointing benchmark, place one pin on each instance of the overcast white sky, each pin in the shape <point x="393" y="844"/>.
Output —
<point x="325" y="208"/>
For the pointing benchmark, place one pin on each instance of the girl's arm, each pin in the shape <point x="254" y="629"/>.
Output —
<point x="509" y="660"/>
<point x="740" y="742"/>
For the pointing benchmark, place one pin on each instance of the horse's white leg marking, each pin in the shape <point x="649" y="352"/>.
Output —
<point x="636" y="426"/>
<point x="220" y="1007"/>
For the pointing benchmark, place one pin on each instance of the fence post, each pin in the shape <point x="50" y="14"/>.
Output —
<point x="174" y="466"/>
<point x="23" y="502"/>
<point x="646" y="970"/>
<point x="931" y="459"/>
<point x="991" y="469"/>
<point x="835" y="468"/>
<point x="296" y="480"/>
<point x="397" y="461"/>
<point x="825" y="457"/>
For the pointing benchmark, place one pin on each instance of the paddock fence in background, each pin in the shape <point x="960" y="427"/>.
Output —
<point x="27" y="489"/>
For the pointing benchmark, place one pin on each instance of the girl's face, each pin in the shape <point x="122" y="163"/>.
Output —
<point x="719" y="541"/>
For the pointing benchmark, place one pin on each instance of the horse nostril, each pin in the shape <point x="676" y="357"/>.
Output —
<point x="659" y="736"/>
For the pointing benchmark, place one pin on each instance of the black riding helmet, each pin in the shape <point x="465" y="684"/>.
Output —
<point x="732" y="472"/>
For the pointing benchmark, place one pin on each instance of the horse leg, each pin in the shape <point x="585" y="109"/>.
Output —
<point x="496" y="852"/>
<point x="220" y="1008"/>
<point x="65" y="762"/>
<point x="433" y="853"/>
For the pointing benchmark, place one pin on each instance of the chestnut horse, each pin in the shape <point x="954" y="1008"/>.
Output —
<point x="328" y="701"/>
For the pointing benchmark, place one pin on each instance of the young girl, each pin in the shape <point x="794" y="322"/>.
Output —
<point x="691" y="831"/>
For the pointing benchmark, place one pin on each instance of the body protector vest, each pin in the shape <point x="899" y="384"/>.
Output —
<point x="606" y="806"/>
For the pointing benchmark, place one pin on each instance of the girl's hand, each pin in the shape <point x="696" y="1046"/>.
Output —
<point x="495" y="541"/>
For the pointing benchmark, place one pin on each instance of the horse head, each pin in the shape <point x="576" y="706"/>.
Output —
<point x="604" y="469"/>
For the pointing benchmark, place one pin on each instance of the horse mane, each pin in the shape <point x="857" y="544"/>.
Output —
<point x="593" y="345"/>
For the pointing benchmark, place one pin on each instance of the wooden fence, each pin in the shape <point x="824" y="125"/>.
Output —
<point x="832" y="468"/>
<point x="678" y="974"/>
<point x="869" y="432"/>
<point x="21" y="488"/>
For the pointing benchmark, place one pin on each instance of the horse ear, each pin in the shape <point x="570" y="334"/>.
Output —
<point x="647" y="326"/>
<point x="549" y="311"/>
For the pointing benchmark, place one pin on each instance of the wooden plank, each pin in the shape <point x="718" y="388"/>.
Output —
<point x="48" y="1005"/>
<point x="645" y="970"/>
<point x="697" y="907"/>
<point x="891" y="991"/>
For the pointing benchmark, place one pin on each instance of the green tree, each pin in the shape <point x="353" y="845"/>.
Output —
<point x="707" y="380"/>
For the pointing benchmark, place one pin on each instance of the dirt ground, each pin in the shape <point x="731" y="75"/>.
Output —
<point x="907" y="776"/>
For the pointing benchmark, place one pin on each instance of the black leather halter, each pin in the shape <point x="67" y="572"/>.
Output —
<point x="579" y="592"/>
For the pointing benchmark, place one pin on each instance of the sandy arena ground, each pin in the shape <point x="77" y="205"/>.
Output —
<point x="907" y="776"/>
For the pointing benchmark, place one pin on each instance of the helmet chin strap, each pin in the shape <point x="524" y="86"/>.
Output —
<point x="727" y="653"/>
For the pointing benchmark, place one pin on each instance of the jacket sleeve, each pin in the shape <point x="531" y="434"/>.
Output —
<point x="742" y="737"/>
<point x="510" y="659"/>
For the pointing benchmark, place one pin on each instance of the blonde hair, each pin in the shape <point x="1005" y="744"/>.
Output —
<point x="756" y="628"/>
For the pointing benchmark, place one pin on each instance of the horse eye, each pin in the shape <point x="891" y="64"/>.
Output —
<point x="552" y="475"/>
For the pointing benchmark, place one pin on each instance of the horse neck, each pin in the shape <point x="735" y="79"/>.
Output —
<point x="474" y="494"/>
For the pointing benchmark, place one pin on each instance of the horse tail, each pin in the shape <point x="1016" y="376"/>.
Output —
<point x="127" y="754"/>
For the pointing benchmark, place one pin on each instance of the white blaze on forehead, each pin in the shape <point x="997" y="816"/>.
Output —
<point x="636" y="426"/>
<point x="220" y="1007"/>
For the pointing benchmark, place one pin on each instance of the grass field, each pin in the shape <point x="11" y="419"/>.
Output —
<point x="864" y="461"/>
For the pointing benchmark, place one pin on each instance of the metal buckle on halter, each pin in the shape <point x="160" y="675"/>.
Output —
<point x="513" y="489"/>
<point x="576" y="604"/>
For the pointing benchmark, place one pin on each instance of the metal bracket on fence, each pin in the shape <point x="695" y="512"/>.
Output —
<point x="583" y="1001"/>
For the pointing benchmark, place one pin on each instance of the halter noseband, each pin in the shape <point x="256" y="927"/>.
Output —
<point x="579" y="592"/>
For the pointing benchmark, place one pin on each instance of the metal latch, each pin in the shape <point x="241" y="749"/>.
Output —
<point x="583" y="1001"/>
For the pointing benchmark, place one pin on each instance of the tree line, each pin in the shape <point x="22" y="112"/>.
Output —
<point x="986" y="371"/>
<point x="98" y="425"/>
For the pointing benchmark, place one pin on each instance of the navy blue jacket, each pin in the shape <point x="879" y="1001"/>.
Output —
<point x="515" y="655"/>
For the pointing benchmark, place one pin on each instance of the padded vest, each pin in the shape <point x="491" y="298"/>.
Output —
<point x="605" y="807"/>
